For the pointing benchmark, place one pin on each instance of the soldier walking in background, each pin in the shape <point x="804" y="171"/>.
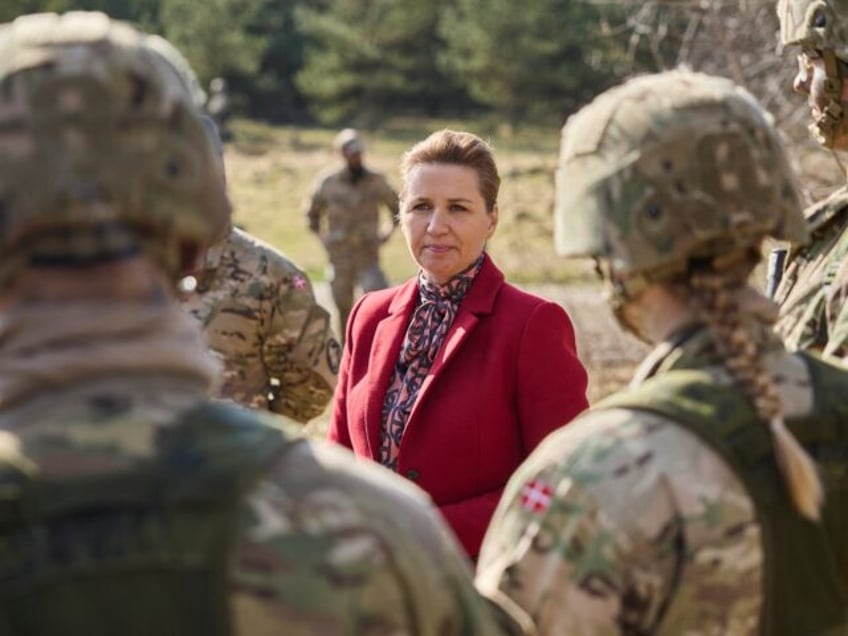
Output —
<point x="344" y="212"/>
<point x="814" y="286"/>
<point x="690" y="503"/>
<point x="132" y="504"/>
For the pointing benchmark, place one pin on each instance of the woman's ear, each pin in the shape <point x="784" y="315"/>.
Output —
<point x="493" y="221"/>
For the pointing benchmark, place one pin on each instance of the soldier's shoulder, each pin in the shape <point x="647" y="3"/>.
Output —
<point x="602" y="437"/>
<point x="251" y="249"/>
<point x="329" y="175"/>
<point x="831" y="209"/>
<point x="318" y="519"/>
<point x="319" y="466"/>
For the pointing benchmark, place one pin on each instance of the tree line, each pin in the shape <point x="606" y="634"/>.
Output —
<point x="360" y="61"/>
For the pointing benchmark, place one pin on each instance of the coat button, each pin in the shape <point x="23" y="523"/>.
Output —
<point x="412" y="474"/>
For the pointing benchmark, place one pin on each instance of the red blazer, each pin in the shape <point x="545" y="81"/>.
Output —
<point x="506" y="375"/>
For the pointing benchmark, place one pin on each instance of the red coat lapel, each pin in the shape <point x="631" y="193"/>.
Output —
<point x="479" y="301"/>
<point x="388" y="338"/>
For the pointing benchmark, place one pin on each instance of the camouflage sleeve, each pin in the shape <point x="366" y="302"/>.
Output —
<point x="837" y="316"/>
<point x="315" y="206"/>
<point x="592" y="537"/>
<point x="300" y="351"/>
<point x="329" y="545"/>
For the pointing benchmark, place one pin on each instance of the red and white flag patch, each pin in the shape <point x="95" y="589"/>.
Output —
<point x="537" y="495"/>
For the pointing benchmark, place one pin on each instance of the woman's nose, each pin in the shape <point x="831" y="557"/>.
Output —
<point x="438" y="221"/>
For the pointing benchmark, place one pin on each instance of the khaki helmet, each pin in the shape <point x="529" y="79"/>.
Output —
<point x="348" y="140"/>
<point x="102" y="151"/>
<point x="669" y="168"/>
<point x="818" y="24"/>
<point x="821" y="25"/>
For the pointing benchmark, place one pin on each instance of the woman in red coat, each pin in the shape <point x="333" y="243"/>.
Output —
<point x="452" y="378"/>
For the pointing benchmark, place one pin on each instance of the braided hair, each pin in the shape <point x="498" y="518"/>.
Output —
<point x="712" y="288"/>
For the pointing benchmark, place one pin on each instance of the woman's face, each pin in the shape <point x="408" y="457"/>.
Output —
<point x="444" y="219"/>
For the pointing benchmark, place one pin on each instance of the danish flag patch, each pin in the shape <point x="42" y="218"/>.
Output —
<point x="299" y="282"/>
<point x="536" y="496"/>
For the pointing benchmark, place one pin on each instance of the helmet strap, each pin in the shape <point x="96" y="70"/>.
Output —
<point x="830" y="121"/>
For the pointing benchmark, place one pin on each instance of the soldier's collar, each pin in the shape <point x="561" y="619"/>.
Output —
<point x="819" y="215"/>
<point x="212" y="258"/>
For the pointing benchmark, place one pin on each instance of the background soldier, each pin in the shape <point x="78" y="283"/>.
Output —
<point x="131" y="504"/>
<point x="814" y="287"/>
<point x="218" y="105"/>
<point x="259" y="313"/>
<point x="344" y="213"/>
<point x="257" y="308"/>
<point x="684" y="505"/>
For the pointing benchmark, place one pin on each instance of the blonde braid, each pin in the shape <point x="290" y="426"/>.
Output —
<point x="741" y="355"/>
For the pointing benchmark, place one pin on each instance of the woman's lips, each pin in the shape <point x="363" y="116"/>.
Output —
<point x="439" y="249"/>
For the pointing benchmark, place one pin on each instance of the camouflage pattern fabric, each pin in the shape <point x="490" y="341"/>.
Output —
<point x="323" y="545"/>
<point x="624" y="522"/>
<point x="812" y="291"/>
<point x="259" y="314"/>
<point x="670" y="167"/>
<point x="344" y="211"/>
<point x="819" y="24"/>
<point x="88" y="155"/>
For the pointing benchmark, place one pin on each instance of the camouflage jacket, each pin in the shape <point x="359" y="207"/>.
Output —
<point x="624" y="522"/>
<point x="345" y="212"/>
<point x="259" y="314"/>
<point x="322" y="544"/>
<point x="812" y="291"/>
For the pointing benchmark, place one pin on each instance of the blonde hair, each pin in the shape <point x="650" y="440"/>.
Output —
<point x="461" y="149"/>
<point x="741" y="355"/>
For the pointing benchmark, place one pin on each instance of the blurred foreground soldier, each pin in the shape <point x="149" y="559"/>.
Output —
<point x="814" y="287"/>
<point x="131" y="504"/>
<point x="344" y="213"/>
<point x="684" y="505"/>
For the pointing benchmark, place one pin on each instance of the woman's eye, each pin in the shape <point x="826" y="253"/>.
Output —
<point x="458" y="208"/>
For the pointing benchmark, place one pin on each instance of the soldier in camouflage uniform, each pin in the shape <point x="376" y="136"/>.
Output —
<point x="815" y="283"/>
<point x="259" y="314"/>
<point x="684" y="505"/>
<point x="344" y="212"/>
<point x="131" y="504"/>
<point x="257" y="308"/>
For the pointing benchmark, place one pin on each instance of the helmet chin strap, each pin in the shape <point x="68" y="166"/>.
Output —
<point x="829" y="123"/>
<point x="619" y="293"/>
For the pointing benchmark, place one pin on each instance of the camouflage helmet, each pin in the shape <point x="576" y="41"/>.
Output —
<point x="821" y="25"/>
<point x="102" y="151"/>
<point x="668" y="168"/>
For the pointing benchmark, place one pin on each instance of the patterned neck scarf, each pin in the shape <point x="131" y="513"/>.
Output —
<point x="431" y="320"/>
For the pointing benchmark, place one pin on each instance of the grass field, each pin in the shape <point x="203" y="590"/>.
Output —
<point x="271" y="171"/>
